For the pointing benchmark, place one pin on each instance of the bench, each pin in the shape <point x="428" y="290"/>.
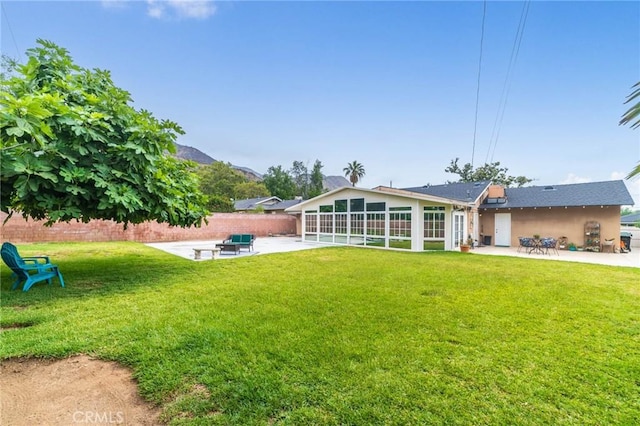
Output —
<point x="231" y="247"/>
<point x="215" y="252"/>
<point x="243" y="240"/>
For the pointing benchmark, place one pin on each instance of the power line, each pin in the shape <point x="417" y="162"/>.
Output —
<point x="475" y="125"/>
<point x="515" y="50"/>
<point x="4" y="13"/>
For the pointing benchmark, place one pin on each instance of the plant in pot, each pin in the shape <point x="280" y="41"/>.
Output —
<point x="572" y="247"/>
<point x="466" y="245"/>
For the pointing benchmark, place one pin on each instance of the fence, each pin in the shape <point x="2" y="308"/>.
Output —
<point x="18" y="230"/>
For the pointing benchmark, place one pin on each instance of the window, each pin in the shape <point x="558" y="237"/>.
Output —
<point x="341" y="206"/>
<point x="326" y="223"/>
<point x="434" y="222"/>
<point x="357" y="223"/>
<point x="341" y="223"/>
<point x="375" y="224"/>
<point x="376" y="207"/>
<point x="326" y="209"/>
<point x="400" y="224"/>
<point x="357" y="205"/>
<point x="310" y="225"/>
<point x="311" y="222"/>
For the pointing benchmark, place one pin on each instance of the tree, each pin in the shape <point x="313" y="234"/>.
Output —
<point x="279" y="183"/>
<point x="489" y="171"/>
<point x="354" y="171"/>
<point x="222" y="184"/>
<point x="71" y="147"/>
<point x="250" y="189"/>
<point x="316" y="186"/>
<point x="300" y="176"/>
<point x="632" y="117"/>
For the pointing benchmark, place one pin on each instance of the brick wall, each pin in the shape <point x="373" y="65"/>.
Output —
<point x="17" y="230"/>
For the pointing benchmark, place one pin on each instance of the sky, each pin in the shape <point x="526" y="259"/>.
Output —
<point x="403" y="88"/>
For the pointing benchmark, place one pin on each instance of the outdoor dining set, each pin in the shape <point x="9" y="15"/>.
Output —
<point x="538" y="245"/>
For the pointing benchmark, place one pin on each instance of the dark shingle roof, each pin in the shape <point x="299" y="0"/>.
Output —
<point x="282" y="205"/>
<point x="630" y="219"/>
<point x="609" y="193"/>
<point x="251" y="203"/>
<point x="466" y="191"/>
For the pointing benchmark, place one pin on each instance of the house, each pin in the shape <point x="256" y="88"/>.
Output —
<point x="267" y="204"/>
<point x="388" y="217"/>
<point x="630" y="219"/>
<point x="555" y="211"/>
<point x="440" y="217"/>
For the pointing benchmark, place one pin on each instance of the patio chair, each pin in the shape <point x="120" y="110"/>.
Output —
<point x="549" y="244"/>
<point x="29" y="269"/>
<point x="526" y="243"/>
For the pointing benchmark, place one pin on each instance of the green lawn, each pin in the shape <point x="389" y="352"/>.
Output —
<point x="345" y="335"/>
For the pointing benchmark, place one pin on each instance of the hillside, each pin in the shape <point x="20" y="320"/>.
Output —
<point x="189" y="153"/>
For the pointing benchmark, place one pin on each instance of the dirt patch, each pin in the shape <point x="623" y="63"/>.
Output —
<point x="73" y="391"/>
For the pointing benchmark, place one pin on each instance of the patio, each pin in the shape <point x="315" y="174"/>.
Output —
<point x="266" y="245"/>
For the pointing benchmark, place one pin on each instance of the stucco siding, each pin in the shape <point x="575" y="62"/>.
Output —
<point x="555" y="222"/>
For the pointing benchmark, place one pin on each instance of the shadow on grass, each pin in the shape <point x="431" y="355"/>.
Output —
<point x="101" y="269"/>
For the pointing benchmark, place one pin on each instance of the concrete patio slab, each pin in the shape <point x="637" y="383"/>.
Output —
<point x="266" y="245"/>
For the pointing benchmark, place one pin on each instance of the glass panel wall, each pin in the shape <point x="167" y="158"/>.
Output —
<point x="400" y="227"/>
<point x="434" y="231"/>
<point x="310" y="225"/>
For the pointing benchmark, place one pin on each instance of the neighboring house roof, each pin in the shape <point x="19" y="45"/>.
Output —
<point x="252" y="203"/>
<point x="609" y="193"/>
<point x="630" y="219"/>
<point x="284" y="204"/>
<point x="462" y="191"/>
<point x="268" y="203"/>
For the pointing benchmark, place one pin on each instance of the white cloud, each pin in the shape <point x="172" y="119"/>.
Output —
<point x="198" y="9"/>
<point x="572" y="178"/>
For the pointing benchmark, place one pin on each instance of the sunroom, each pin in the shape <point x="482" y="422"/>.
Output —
<point x="383" y="218"/>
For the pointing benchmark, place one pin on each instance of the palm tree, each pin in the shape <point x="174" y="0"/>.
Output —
<point x="632" y="117"/>
<point x="354" y="171"/>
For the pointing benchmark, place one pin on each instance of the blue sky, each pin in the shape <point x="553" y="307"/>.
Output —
<point x="389" y="84"/>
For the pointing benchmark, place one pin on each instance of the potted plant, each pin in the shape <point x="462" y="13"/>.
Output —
<point x="465" y="246"/>
<point x="572" y="247"/>
<point x="563" y="243"/>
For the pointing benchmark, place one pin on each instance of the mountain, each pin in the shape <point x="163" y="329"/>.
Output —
<point x="194" y="154"/>
<point x="190" y="153"/>
<point x="333" y="182"/>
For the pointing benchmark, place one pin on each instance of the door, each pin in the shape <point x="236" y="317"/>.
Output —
<point x="503" y="229"/>
<point x="458" y="228"/>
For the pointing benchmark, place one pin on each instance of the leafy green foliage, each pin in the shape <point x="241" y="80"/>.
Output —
<point x="489" y="171"/>
<point x="316" y="186"/>
<point x="73" y="148"/>
<point x="300" y="175"/>
<point x="222" y="184"/>
<point x="279" y="183"/>
<point x="354" y="171"/>
<point x="632" y="117"/>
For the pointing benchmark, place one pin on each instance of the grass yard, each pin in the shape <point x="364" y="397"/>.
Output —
<point x="341" y="335"/>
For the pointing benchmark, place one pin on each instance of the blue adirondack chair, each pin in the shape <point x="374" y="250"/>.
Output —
<point x="29" y="269"/>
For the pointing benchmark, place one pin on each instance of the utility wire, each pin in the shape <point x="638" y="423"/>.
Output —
<point x="475" y="125"/>
<point x="515" y="50"/>
<point x="6" y="18"/>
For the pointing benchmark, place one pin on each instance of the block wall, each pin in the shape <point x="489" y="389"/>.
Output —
<point x="19" y="230"/>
